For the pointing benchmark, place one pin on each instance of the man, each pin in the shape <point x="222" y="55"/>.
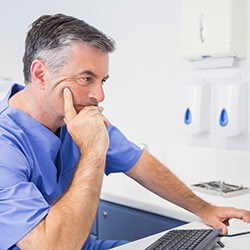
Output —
<point x="55" y="144"/>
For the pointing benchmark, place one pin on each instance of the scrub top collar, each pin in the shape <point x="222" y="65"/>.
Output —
<point x="28" y="124"/>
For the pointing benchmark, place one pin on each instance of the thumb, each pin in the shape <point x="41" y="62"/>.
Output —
<point x="220" y="225"/>
<point x="69" y="110"/>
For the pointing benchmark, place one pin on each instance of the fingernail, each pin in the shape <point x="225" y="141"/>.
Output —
<point x="100" y="108"/>
<point x="66" y="90"/>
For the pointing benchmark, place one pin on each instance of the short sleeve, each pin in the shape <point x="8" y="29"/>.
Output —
<point x="122" y="153"/>
<point x="22" y="206"/>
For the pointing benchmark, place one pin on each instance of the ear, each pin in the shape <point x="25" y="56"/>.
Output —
<point x="37" y="72"/>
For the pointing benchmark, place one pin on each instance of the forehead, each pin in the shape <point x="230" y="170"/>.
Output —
<point x="85" y="57"/>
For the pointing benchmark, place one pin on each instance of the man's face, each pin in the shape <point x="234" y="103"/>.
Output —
<point x="84" y="74"/>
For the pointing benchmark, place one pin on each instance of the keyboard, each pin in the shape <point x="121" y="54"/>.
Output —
<point x="188" y="239"/>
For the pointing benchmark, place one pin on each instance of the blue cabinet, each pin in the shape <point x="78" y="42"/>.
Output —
<point x="118" y="222"/>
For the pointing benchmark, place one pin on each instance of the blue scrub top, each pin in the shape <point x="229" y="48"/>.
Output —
<point x="36" y="167"/>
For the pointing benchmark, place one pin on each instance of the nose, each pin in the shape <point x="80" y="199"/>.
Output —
<point x="97" y="92"/>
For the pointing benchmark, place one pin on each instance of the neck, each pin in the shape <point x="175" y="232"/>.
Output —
<point x="34" y="105"/>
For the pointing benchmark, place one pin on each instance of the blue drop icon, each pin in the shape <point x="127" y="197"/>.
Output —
<point x="223" y="118"/>
<point x="188" y="116"/>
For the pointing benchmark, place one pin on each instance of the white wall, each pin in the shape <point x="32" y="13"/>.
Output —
<point x="144" y="94"/>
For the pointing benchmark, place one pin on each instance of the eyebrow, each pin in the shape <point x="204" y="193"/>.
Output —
<point x="91" y="73"/>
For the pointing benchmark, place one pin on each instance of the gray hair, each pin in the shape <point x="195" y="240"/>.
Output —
<point x="51" y="36"/>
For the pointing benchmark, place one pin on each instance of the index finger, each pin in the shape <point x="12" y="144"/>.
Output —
<point x="69" y="110"/>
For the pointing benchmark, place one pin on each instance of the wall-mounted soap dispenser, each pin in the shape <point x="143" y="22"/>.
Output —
<point x="196" y="112"/>
<point x="214" y="28"/>
<point x="230" y="108"/>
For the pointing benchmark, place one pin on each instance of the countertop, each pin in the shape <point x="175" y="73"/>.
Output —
<point x="194" y="165"/>
<point x="119" y="188"/>
<point x="235" y="243"/>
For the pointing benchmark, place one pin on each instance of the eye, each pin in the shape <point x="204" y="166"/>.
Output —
<point x="105" y="79"/>
<point x="86" y="80"/>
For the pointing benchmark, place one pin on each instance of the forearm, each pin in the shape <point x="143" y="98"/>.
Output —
<point x="154" y="176"/>
<point x="69" y="221"/>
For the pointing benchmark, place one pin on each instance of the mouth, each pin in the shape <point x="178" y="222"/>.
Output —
<point x="79" y="107"/>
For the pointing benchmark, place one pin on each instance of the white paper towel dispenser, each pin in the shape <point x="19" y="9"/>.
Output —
<point x="214" y="28"/>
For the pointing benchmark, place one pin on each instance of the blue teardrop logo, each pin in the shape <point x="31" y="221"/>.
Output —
<point x="223" y="118"/>
<point x="188" y="116"/>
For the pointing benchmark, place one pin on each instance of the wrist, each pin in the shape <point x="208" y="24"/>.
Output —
<point x="93" y="158"/>
<point x="204" y="208"/>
